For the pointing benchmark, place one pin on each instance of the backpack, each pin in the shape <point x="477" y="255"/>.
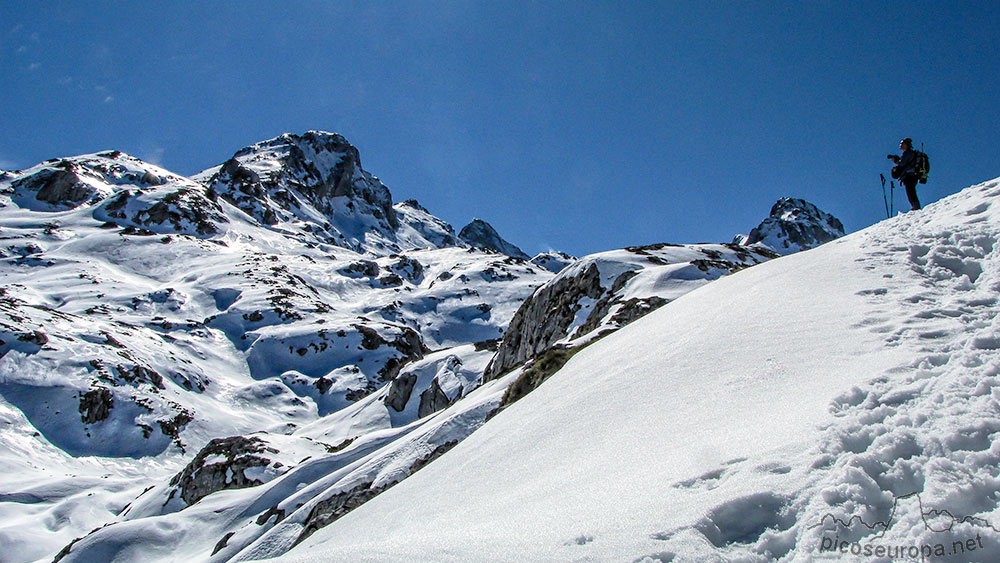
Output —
<point x="922" y="167"/>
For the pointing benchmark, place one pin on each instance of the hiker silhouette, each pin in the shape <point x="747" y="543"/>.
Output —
<point x="905" y="170"/>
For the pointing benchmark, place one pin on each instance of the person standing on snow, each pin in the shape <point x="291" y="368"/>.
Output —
<point x="906" y="171"/>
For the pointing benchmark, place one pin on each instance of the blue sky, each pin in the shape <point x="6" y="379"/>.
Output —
<point x="578" y="126"/>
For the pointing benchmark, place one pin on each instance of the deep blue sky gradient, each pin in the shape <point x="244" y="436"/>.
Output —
<point x="579" y="126"/>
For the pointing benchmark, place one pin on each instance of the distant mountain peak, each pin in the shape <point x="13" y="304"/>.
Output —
<point x="793" y="225"/>
<point x="482" y="235"/>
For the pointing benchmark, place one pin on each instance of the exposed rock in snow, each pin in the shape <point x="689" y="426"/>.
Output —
<point x="221" y="464"/>
<point x="313" y="184"/>
<point x="605" y="291"/>
<point x="794" y="225"/>
<point x="416" y="224"/>
<point x="481" y="234"/>
<point x="553" y="261"/>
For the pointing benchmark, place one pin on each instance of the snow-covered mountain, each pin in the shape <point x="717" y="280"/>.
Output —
<point x="839" y="403"/>
<point x="793" y="225"/>
<point x="384" y="438"/>
<point x="227" y="366"/>
<point x="144" y="314"/>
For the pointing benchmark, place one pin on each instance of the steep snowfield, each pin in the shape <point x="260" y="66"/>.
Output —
<point x="844" y="394"/>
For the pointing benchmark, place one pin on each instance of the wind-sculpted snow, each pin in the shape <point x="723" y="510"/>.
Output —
<point x="839" y="403"/>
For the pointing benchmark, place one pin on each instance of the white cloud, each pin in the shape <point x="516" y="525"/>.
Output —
<point x="109" y="99"/>
<point x="22" y="49"/>
<point x="35" y="66"/>
<point x="152" y="156"/>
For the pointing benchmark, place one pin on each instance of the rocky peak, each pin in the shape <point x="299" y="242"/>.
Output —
<point x="314" y="178"/>
<point x="794" y="225"/>
<point x="482" y="235"/>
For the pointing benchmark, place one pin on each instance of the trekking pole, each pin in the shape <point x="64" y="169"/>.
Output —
<point x="892" y="197"/>
<point x="884" y="200"/>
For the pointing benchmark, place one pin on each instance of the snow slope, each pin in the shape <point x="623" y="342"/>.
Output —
<point x="843" y="394"/>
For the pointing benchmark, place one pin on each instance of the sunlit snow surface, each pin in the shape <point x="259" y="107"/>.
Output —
<point x="844" y="394"/>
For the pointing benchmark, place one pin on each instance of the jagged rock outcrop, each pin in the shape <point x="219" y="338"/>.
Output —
<point x="794" y="225"/>
<point x="432" y="400"/>
<point x="399" y="391"/>
<point x="187" y="210"/>
<point x="220" y="465"/>
<point x="61" y="186"/>
<point x="480" y="234"/>
<point x="545" y="318"/>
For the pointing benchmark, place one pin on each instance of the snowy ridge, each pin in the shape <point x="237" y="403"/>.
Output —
<point x="602" y="292"/>
<point x="751" y="419"/>
<point x="553" y="261"/>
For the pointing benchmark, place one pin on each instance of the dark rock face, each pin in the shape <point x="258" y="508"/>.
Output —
<point x="432" y="400"/>
<point x="201" y="477"/>
<point x="408" y="268"/>
<point x="61" y="187"/>
<point x="480" y="234"/>
<point x="361" y="268"/>
<point x="794" y="225"/>
<point x="544" y="319"/>
<point x="400" y="390"/>
<point x="96" y="405"/>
